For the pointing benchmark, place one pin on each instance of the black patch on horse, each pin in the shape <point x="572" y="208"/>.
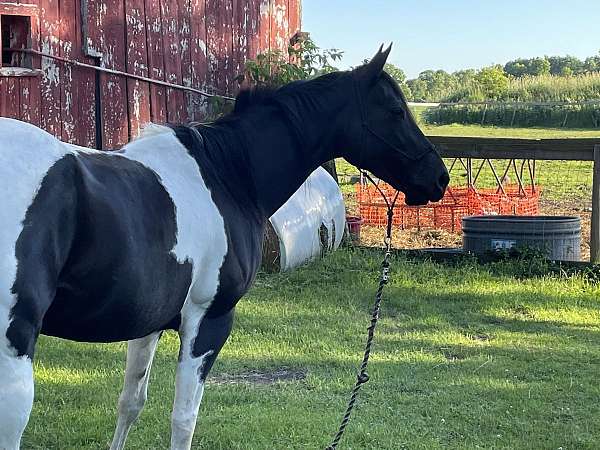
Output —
<point x="94" y="257"/>
<point x="41" y="250"/>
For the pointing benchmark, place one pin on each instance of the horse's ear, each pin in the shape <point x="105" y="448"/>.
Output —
<point x="370" y="71"/>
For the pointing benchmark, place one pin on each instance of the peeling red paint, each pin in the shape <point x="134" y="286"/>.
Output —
<point x="138" y="92"/>
<point x="199" y="43"/>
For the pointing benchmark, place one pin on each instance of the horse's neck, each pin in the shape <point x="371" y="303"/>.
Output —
<point x="279" y="161"/>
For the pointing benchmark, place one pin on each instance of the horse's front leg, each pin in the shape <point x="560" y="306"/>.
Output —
<point x="201" y="340"/>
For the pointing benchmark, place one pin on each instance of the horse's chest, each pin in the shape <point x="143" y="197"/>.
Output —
<point x="241" y="263"/>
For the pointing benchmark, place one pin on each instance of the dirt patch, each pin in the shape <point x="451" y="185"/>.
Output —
<point x="256" y="377"/>
<point x="452" y="355"/>
<point x="480" y="337"/>
<point x="522" y="311"/>
<point x="373" y="236"/>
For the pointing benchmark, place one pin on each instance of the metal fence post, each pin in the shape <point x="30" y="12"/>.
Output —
<point x="595" y="227"/>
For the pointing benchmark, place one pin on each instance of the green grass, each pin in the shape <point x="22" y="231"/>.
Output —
<point x="465" y="357"/>
<point x="559" y="116"/>
<point x="496" y="131"/>
<point x="540" y="88"/>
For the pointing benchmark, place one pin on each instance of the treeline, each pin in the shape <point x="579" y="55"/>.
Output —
<point x="527" y="101"/>
<point x="495" y="95"/>
<point x="517" y="80"/>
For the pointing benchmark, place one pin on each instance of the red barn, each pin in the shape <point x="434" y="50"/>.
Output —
<point x="105" y="60"/>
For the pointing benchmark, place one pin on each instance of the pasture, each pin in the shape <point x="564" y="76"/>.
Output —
<point x="502" y="355"/>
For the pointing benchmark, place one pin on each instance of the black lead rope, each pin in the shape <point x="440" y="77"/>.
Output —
<point x="363" y="376"/>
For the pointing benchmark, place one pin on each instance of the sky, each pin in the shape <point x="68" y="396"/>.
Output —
<point x="453" y="34"/>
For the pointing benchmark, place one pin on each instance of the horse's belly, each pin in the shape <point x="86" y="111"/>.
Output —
<point x="109" y="310"/>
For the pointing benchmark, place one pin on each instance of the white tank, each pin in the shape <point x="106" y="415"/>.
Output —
<point x="311" y="222"/>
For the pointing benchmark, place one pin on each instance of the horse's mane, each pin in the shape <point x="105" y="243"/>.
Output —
<point x="306" y="90"/>
<point x="249" y="98"/>
<point x="289" y="96"/>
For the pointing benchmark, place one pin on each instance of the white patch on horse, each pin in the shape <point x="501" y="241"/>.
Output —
<point x="26" y="155"/>
<point x="16" y="399"/>
<point x="153" y="129"/>
<point x="189" y="389"/>
<point x="201" y="237"/>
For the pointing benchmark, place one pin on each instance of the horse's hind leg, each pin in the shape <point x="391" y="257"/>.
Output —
<point x="140" y="353"/>
<point x="16" y="397"/>
<point x="20" y="323"/>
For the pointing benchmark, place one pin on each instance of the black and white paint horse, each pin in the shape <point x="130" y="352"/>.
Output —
<point x="166" y="233"/>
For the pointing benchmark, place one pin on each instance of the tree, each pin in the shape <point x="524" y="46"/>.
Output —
<point x="516" y="68"/>
<point x="398" y="74"/>
<point x="432" y="85"/>
<point x="565" y="65"/>
<point x="465" y="77"/>
<point x="492" y="81"/>
<point x="418" y="90"/>
<point x="532" y="66"/>
<point x="592" y="64"/>
<point x="539" y="66"/>
<point x="303" y="60"/>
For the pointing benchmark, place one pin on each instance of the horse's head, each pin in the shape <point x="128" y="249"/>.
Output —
<point x="383" y="138"/>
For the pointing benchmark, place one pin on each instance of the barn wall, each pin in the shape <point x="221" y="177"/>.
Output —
<point x="197" y="43"/>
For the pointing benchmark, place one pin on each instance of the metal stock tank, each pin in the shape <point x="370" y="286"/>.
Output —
<point x="559" y="237"/>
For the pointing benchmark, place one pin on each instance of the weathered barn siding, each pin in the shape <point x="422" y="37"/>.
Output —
<point x="196" y="43"/>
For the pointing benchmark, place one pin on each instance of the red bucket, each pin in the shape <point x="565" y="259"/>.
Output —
<point x="354" y="224"/>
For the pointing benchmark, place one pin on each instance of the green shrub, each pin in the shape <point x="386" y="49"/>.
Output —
<point x="543" y="88"/>
<point x="514" y="115"/>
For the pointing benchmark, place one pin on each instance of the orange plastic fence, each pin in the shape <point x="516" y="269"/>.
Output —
<point x="448" y="212"/>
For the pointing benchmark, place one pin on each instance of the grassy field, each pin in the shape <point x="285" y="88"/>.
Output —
<point x="542" y="88"/>
<point x="497" y="357"/>
<point x="493" y="131"/>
